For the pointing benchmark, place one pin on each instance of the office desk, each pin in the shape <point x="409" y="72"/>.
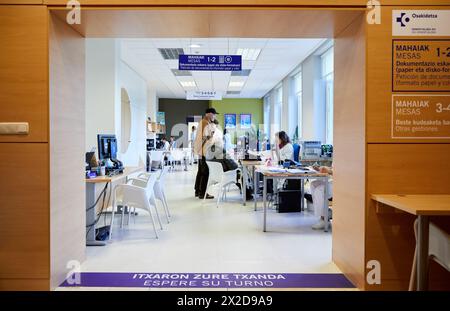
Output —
<point x="91" y="184"/>
<point x="245" y="165"/>
<point x="267" y="174"/>
<point x="423" y="206"/>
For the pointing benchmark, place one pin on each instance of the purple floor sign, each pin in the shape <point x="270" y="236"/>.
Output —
<point x="209" y="280"/>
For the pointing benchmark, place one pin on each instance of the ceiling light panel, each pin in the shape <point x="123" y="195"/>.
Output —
<point x="236" y="84"/>
<point x="188" y="83"/>
<point x="242" y="73"/>
<point x="249" y="54"/>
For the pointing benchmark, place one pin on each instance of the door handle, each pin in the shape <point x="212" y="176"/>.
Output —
<point x="14" y="128"/>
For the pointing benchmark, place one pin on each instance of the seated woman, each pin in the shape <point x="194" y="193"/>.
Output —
<point x="318" y="196"/>
<point x="285" y="150"/>
<point x="217" y="153"/>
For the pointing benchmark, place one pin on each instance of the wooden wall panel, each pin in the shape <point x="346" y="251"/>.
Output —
<point x="24" y="284"/>
<point x="21" y="1"/>
<point x="379" y="75"/>
<point x="67" y="135"/>
<point x="396" y="166"/>
<point x="24" y="70"/>
<point x="349" y="151"/>
<point x="244" y="23"/>
<point x="245" y="2"/>
<point x="402" y="169"/>
<point x="24" y="212"/>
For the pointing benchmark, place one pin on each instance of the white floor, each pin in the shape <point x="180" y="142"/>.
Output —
<point x="203" y="238"/>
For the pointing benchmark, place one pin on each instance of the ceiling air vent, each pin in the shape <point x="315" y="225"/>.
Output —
<point x="242" y="73"/>
<point x="171" y="53"/>
<point x="181" y="73"/>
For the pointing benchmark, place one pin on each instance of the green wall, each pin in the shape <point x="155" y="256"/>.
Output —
<point x="238" y="106"/>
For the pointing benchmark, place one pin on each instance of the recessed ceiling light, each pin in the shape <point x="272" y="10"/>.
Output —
<point x="249" y="54"/>
<point x="236" y="83"/>
<point x="188" y="83"/>
<point x="195" y="45"/>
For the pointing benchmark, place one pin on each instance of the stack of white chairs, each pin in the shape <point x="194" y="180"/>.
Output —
<point x="136" y="194"/>
<point x="177" y="158"/>
<point x="220" y="179"/>
<point x="158" y="188"/>
<point x="188" y="155"/>
<point x="157" y="156"/>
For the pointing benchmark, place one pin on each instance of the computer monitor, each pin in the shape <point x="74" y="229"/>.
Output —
<point x="107" y="147"/>
<point x="151" y="144"/>
<point x="327" y="150"/>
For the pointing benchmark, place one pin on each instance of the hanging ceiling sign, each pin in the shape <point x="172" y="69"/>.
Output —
<point x="203" y="95"/>
<point x="210" y="62"/>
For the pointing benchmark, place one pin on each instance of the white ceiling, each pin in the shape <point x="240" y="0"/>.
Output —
<point x="278" y="58"/>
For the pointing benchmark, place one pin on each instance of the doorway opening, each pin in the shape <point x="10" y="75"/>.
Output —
<point x="123" y="56"/>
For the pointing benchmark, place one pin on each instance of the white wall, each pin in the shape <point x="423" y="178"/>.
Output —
<point x="100" y="89"/>
<point x="106" y="74"/>
<point x="136" y="88"/>
<point x="152" y="104"/>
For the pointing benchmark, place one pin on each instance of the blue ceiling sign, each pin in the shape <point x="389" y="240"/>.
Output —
<point x="210" y="62"/>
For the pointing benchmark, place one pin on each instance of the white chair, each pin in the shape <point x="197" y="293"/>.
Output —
<point x="132" y="196"/>
<point x="157" y="156"/>
<point x="177" y="157"/>
<point x="147" y="181"/>
<point x="438" y="250"/>
<point x="218" y="178"/>
<point x="188" y="155"/>
<point x="158" y="189"/>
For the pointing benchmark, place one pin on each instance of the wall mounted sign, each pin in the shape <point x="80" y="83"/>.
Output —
<point x="230" y="120"/>
<point x="203" y="95"/>
<point x="161" y="117"/>
<point x="210" y="62"/>
<point x="421" y="65"/>
<point x="421" y="22"/>
<point x="246" y="120"/>
<point x="421" y="116"/>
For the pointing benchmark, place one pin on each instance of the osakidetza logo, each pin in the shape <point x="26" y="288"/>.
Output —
<point x="404" y="18"/>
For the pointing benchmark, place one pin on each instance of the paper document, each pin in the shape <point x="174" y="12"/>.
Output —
<point x="298" y="171"/>
<point x="276" y="169"/>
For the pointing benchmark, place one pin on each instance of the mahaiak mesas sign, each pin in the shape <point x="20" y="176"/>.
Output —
<point x="421" y="65"/>
<point x="421" y="116"/>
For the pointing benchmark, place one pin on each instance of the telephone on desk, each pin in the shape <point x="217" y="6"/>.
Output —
<point x="117" y="168"/>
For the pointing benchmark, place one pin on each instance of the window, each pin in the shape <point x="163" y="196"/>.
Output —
<point x="298" y="97"/>
<point x="327" y="77"/>
<point x="267" y="115"/>
<point x="278" y="106"/>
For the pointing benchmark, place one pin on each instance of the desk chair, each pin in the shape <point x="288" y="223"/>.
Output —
<point x="297" y="150"/>
<point x="137" y="195"/>
<point x="438" y="250"/>
<point x="218" y="178"/>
